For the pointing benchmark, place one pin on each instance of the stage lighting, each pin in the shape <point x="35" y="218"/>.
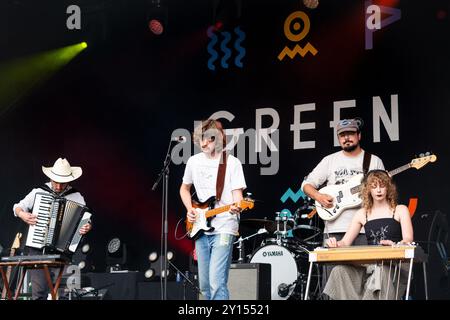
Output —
<point x="85" y="248"/>
<point x="156" y="269"/>
<point x="170" y="255"/>
<point x="226" y="13"/>
<point x="163" y="274"/>
<point x="311" y="4"/>
<point x="150" y="274"/>
<point x="114" y="245"/>
<point x="153" y="256"/>
<point x="82" y="265"/>
<point x="116" y="254"/>
<point x="157" y="17"/>
<point x="86" y="265"/>
<point x="25" y="74"/>
<point x="82" y="258"/>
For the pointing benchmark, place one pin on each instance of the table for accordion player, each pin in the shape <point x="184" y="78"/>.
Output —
<point x="44" y="262"/>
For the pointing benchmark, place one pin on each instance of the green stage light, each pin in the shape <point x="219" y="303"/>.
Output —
<point x="19" y="76"/>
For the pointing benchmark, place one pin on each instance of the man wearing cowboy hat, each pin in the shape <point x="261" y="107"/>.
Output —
<point x="60" y="175"/>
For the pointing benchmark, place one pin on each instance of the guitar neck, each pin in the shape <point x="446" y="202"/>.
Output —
<point x="391" y="173"/>
<point x="216" y="211"/>
<point x="399" y="169"/>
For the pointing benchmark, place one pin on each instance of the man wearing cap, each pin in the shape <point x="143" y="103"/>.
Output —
<point x="338" y="168"/>
<point x="60" y="175"/>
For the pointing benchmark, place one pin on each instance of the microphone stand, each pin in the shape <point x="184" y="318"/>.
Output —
<point x="186" y="279"/>
<point x="241" y="247"/>
<point x="164" y="224"/>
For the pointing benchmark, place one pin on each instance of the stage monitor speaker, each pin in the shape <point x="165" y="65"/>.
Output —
<point x="250" y="281"/>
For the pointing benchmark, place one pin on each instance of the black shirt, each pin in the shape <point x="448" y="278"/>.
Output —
<point x="383" y="229"/>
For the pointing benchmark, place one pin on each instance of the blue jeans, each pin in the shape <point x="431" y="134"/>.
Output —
<point x="214" y="254"/>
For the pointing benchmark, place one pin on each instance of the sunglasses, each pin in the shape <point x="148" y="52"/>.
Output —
<point x="209" y="138"/>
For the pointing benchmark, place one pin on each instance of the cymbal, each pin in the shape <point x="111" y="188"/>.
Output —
<point x="269" y="225"/>
<point x="259" y="223"/>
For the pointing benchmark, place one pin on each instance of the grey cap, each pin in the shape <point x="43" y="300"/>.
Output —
<point x="347" y="125"/>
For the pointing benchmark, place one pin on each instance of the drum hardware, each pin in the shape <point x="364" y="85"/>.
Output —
<point x="289" y="265"/>
<point x="284" y="267"/>
<point x="266" y="224"/>
<point x="304" y="233"/>
<point x="284" y="222"/>
<point x="312" y="213"/>
<point x="241" y="247"/>
<point x="283" y="289"/>
<point x="307" y="233"/>
<point x="306" y="211"/>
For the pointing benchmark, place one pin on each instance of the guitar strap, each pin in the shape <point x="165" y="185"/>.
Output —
<point x="366" y="162"/>
<point x="220" y="181"/>
<point x="221" y="175"/>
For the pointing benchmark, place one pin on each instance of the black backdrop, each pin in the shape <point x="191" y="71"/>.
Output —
<point x="113" y="108"/>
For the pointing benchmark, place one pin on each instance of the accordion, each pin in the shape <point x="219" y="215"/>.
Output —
<point x="58" y="223"/>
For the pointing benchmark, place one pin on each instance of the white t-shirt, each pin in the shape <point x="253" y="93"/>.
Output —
<point x="202" y="173"/>
<point x="337" y="168"/>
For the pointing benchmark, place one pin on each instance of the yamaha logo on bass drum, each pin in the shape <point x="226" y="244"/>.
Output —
<point x="272" y="254"/>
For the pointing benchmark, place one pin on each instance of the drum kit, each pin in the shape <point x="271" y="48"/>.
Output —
<point x="285" y="245"/>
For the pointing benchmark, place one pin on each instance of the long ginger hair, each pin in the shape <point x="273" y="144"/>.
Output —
<point x="373" y="178"/>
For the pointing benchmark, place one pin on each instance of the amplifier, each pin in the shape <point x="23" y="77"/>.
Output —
<point x="250" y="281"/>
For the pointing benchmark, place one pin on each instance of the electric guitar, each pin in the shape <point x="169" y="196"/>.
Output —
<point x="347" y="195"/>
<point x="15" y="245"/>
<point x="206" y="210"/>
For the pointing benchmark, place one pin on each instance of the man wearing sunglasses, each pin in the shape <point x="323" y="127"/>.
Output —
<point x="214" y="173"/>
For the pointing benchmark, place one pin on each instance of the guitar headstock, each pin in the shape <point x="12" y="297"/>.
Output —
<point x="422" y="160"/>
<point x="247" y="203"/>
<point x="16" y="243"/>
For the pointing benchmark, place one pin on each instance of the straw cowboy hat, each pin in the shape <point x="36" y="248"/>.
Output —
<point x="62" y="172"/>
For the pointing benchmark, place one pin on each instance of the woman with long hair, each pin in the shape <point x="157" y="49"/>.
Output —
<point x="386" y="223"/>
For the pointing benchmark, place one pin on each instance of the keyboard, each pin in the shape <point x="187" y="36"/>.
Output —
<point x="44" y="257"/>
<point x="37" y="233"/>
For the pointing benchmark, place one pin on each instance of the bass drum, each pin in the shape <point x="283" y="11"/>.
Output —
<point x="283" y="267"/>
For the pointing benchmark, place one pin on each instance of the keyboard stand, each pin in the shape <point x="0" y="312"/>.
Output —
<point x="36" y="264"/>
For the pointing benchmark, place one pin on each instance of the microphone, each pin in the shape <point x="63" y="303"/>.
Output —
<point x="180" y="139"/>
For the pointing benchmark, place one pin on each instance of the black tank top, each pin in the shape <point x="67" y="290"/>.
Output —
<point x="383" y="229"/>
